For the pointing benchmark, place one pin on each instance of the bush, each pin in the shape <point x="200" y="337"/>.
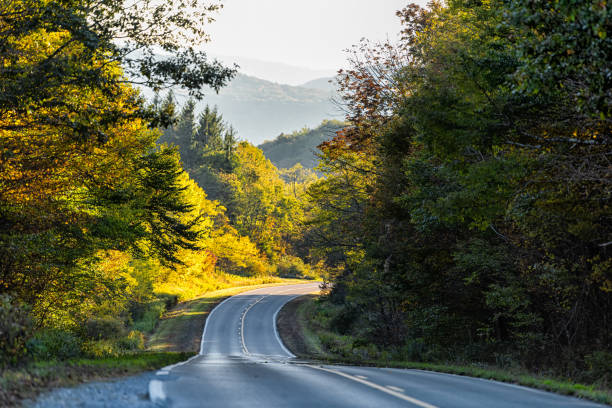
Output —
<point x="600" y="366"/>
<point x="15" y="330"/>
<point x="100" y="349"/>
<point x="414" y="350"/>
<point x="293" y="267"/>
<point x="104" y="329"/>
<point x="105" y="348"/>
<point x="151" y="314"/>
<point x="54" y="344"/>
<point x="343" y="320"/>
<point x="132" y="342"/>
<point x="169" y="300"/>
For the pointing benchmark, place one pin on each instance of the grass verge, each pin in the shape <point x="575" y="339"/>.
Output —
<point x="308" y="340"/>
<point x="180" y="329"/>
<point x="175" y="338"/>
<point x="25" y="383"/>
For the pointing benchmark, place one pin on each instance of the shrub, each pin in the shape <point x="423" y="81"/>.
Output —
<point x="15" y="330"/>
<point x="53" y="344"/>
<point x="169" y="300"/>
<point x="105" y="348"/>
<point x="343" y="320"/>
<point x="132" y="342"/>
<point x="414" y="350"/>
<point x="104" y="329"/>
<point x="600" y="366"/>
<point x="100" y="349"/>
<point x="293" y="267"/>
<point x="151" y="314"/>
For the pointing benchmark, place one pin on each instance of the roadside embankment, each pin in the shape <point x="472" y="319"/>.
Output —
<point x="308" y="336"/>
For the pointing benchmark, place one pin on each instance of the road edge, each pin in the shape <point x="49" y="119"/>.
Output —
<point x="526" y="381"/>
<point x="155" y="388"/>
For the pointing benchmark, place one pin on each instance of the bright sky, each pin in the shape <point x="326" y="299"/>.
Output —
<point x="306" y="33"/>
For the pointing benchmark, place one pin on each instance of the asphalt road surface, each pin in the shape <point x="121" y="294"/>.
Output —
<point x="243" y="363"/>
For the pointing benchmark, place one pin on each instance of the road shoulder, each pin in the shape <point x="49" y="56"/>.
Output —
<point x="303" y="338"/>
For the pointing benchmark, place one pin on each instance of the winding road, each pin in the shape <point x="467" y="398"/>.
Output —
<point x="243" y="363"/>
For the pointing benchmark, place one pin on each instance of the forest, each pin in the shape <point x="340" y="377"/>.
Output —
<point x="103" y="220"/>
<point x="464" y="213"/>
<point x="460" y="213"/>
<point x="287" y="150"/>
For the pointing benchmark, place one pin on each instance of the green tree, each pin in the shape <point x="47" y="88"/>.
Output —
<point x="229" y="142"/>
<point x="113" y="31"/>
<point x="478" y="220"/>
<point x="211" y="130"/>
<point x="80" y="174"/>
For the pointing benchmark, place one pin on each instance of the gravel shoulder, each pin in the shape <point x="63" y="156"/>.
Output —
<point x="130" y="392"/>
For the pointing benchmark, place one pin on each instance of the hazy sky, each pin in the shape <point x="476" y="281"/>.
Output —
<point x="307" y="33"/>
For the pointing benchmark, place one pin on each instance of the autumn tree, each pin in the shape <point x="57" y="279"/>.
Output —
<point x="79" y="170"/>
<point x="457" y="202"/>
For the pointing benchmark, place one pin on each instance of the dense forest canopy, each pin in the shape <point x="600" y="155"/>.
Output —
<point x="287" y="150"/>
<point x="466" y="209"/>
<point x="262" y="202"/>
<point x="100" y="226"/>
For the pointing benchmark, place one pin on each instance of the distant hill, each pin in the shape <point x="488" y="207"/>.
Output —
<point x="258" y="108"/>
<point x="323" y="84"/>
<point x="299" y="147"/>
<point x="274" y="71"/>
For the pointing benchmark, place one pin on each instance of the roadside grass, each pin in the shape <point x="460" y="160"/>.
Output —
<point x="189" y="289"/>
<point x="26" y="382"/>
<point x="180" y="329"/>
<point x="174" y="337"/>
<point x="310" y="340"/>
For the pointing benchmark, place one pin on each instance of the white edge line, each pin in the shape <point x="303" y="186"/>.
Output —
<point x="215" y="309"/>
<point x="156" y="392"/>
<point x="241" y="294"/>
<point x="370" y="384"/>
<point x="242" y="318"/>
<point x="487" y="380"/>
<point x="280" y="341"/>
<point x="156" y="387"/>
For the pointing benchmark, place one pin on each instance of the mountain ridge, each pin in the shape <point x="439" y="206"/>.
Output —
<point x="286" y="150"/>
<point x="258" y="108"/>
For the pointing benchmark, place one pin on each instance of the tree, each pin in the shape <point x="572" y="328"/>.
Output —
<point x="456" y="206"/>
<point x="211" y="130"/>
<point x="183" y="133"/>
<point x="229" y="142"/>
<point x="115" y="30"/>
<point x="79" y="176"/>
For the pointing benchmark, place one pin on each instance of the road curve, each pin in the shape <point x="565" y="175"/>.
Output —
<point x="243" y="363"/>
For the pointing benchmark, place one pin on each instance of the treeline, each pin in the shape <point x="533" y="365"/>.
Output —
<point x="465" y="213"/>
<point x="100" y="226"/>
<point x="300" y="147"/>
<point x="265" y="206"/>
